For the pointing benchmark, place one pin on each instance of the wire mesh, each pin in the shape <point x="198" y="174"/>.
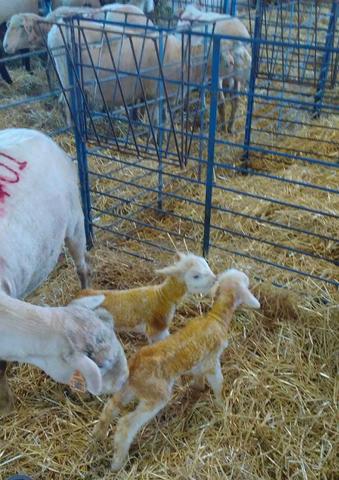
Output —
<point x="163" y="165"/>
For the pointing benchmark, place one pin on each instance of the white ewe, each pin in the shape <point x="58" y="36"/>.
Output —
<point x="40" y="210"/>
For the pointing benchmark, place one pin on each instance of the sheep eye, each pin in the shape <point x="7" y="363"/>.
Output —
<point x="89" y="351"/>
<point x="100" y="339"/>
<point x="196" y="277"/>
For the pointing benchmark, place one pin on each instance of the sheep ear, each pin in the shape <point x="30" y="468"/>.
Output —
<point x="179" y="256"/>
<point x="90" y="372"/>
<point x="170" y="270"/>
<point x="91" y="302"/>
<point x="32" y="29"/>
<point x="28" y="25"/>
<point x="245" y="297"/>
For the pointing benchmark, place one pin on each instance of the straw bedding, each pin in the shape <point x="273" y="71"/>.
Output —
<point x="280" y="390"/>
<point x="278" y="420"/>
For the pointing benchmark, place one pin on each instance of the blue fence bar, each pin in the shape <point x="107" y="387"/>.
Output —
<point x="211" y="143"/>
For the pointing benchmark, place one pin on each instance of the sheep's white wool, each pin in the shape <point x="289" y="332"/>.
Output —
<point x="40" y="210"/>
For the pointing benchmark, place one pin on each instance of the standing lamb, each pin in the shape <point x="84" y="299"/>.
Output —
<point x="153" y="370"/>
<point x="39" y="211"/>
<point x="151" y="309"/>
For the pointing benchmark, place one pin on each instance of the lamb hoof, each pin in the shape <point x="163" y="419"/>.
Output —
<point x="99" y="433"/>
<point x="61" y="258"/>
<point x="116" y="465"/>
<point x="6" y="403"/>
<point x="198" y="387"/>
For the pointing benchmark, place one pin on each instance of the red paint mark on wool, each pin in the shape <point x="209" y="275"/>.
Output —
<point x="10" y="169"/>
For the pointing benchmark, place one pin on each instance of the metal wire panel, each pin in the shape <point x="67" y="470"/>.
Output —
<point x="161" y="168"/>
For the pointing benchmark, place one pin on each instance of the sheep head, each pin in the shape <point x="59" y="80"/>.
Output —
<point x="24" y="30"/>
<point x="95" y="350"/>
<point x="193" y="271"/>
<point x="238" y="282"/>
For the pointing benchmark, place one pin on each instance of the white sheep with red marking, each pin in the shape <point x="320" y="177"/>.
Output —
<point x="40" y="210"/>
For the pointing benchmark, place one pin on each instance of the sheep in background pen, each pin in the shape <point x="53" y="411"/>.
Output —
<point x="153" y="370"/>
<point x="235" y="58"/>
<point x="95" y="48"/>
<point x="151" y="309"/>
<point x="30" y="29"/>
<point x="7" y="10"/>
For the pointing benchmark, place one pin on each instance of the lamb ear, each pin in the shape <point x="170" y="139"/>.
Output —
<point x="170" y="270"/>
<point x="245" y="297"/>
<point x="91" y="302"/>
<point x="90" y="372"/>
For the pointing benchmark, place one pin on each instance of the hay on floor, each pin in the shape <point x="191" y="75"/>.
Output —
<point x="278" y="420"/>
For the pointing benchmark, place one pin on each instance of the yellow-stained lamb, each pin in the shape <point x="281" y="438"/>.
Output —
<point x="150" y="309"/>
<point x="195" y="349"/>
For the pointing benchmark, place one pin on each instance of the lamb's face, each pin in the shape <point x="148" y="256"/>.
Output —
<point x="198" y="276"/>
<point x="238" y="282"/>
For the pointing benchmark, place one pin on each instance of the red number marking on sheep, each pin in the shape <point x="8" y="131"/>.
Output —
<point x="12" y="176"/>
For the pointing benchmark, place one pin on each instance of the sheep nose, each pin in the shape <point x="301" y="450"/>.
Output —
<point x="105" y="365"/>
